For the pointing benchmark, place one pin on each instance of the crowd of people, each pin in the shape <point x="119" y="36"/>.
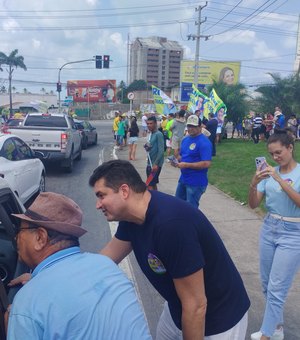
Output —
<point x="258" y="127"/>
<point x="176" y="246"/>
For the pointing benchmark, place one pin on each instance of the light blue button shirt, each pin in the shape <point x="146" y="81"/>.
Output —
<point x="74" y="295"/>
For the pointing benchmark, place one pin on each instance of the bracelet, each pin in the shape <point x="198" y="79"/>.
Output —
<point x="253" y="187"/>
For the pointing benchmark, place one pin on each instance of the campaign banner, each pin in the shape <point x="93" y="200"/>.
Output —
<point x="226" y="71"/>
<point x="163" y="104"/>
<point x="197" y="101"/>
<point x="216" y="106"/>
<point x="94" y="91"/>
<point x="187" y="90"/>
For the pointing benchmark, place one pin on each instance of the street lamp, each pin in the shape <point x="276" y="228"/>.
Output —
<point x="59" y="83"/>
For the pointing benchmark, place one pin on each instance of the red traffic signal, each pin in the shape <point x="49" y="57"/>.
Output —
<point x="106" y="61"/>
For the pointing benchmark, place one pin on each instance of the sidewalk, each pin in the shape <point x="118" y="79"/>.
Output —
<point x="239" y="229"/>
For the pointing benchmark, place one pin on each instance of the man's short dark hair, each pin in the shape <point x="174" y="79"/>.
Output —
<point x="181" y="113"/>
<point x="152" y="118"/>
<point x="118" y="172"/>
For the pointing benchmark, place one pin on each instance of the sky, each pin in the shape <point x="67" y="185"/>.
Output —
<point x="262" y="34"/>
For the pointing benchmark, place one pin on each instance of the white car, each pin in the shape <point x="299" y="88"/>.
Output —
<point x="21" y="167"/>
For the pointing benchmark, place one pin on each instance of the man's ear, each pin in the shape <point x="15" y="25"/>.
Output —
<point x="124" y="190"/>
<point x="41" y="237"/>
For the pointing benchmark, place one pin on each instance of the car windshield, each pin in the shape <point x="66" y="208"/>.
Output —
<point x="46" y="120"/>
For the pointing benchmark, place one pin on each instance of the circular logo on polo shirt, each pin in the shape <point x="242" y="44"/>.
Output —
<point x="155" y="264"/>
<point x="192" y="146"/>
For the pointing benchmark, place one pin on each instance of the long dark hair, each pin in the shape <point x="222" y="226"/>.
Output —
<point x="133" y="125"/>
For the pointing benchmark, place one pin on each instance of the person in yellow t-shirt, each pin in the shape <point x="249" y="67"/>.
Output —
<point x="116" y="125"/>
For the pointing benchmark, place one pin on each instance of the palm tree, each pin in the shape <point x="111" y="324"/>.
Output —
<point x="284" y="92"/>
<point x="13" y="60"/>
<point x="43" y="90"/>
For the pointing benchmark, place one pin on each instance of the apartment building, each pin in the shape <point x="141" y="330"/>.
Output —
<point x="155" y="60"/>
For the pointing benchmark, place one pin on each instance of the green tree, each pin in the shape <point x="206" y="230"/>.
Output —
<point x="13" y="61"/>
<point x="43" y="90"/>
<point x="235" y="98"/>
<point x="122" y="91"/>
<point x="284" y="92"/>
<point x="137" y="85"/>
<point x="3" y="89"/>
<point x="25" y="90"/>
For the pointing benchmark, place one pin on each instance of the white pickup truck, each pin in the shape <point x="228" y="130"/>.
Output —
<point x="54" y="135"/>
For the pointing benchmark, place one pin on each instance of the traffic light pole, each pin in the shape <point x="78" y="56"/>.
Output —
<point x="58" y="82"/>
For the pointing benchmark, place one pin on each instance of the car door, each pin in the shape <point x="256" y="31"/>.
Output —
<point x="91" y="132"/>
<point x="75" y="135"/>
<point x="29" y="181"/>
<point x="16" y="169"/>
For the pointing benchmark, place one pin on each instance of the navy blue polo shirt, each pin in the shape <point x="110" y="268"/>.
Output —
<point x="177" y="240"/>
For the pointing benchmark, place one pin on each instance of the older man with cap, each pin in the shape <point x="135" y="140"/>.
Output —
<point x="71" y="295"/>
<point x="194" y="161"/>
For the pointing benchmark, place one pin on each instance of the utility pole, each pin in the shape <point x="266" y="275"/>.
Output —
<point x="128" y="60"/>
<point x="197" y="38"/>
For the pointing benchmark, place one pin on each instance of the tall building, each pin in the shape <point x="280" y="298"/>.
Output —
<point x="156" y="60"/>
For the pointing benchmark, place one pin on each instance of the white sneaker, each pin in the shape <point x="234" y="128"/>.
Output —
<point x="278" y="335"/>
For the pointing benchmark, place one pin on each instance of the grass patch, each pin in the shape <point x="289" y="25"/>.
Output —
<point x="234" y="166"/>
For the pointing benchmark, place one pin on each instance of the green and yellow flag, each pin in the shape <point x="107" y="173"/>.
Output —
<point x="163" y="104"/>
<point x="197" y="101"/>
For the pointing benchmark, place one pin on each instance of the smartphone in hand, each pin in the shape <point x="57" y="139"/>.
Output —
<point x="260" y="163"/>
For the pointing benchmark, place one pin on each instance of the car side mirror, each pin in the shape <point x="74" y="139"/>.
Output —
<point x="38" y="154"/>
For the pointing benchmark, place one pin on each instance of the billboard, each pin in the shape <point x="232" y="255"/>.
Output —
<point x="94" y="91"/>
<point x="227" y="71"/>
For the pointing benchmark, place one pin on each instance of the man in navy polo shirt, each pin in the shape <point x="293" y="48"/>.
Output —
<point x="180" y="253"/>
<point x="194" y="161"/>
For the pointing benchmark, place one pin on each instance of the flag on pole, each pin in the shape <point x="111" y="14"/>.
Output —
<point x="163" y="104"/>
<point x="216" y="103"/>
<point x="197" y="101"/>
<point x="216" y="106"/>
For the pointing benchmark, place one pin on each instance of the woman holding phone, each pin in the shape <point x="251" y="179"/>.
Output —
<point x="280" y="234"/>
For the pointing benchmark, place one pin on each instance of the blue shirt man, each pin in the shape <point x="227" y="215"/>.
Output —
<point x="195" y="159"/>
<point x="71" y="295"/>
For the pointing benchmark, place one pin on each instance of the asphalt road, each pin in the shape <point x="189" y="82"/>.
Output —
<point x="75" y="186"/>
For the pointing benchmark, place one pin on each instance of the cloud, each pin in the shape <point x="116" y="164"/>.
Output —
<point x="36" y="44"/>
<point x="261" y="50"/>
<point x="10" y="25"/>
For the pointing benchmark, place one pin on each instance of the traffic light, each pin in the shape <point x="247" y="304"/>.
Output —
<point x="58" y="87"/>
<point x="98" y="61"/>
<point x="106" y="61"/>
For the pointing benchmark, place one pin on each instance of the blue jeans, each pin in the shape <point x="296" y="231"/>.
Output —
<point x="189" y="193"/>
<point x="279" y="262"/>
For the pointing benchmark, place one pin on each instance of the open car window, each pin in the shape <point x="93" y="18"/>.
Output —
<point x="10" y="267"/>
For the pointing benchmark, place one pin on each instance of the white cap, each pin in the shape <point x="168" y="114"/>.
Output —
<point x="193" y="120"/>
